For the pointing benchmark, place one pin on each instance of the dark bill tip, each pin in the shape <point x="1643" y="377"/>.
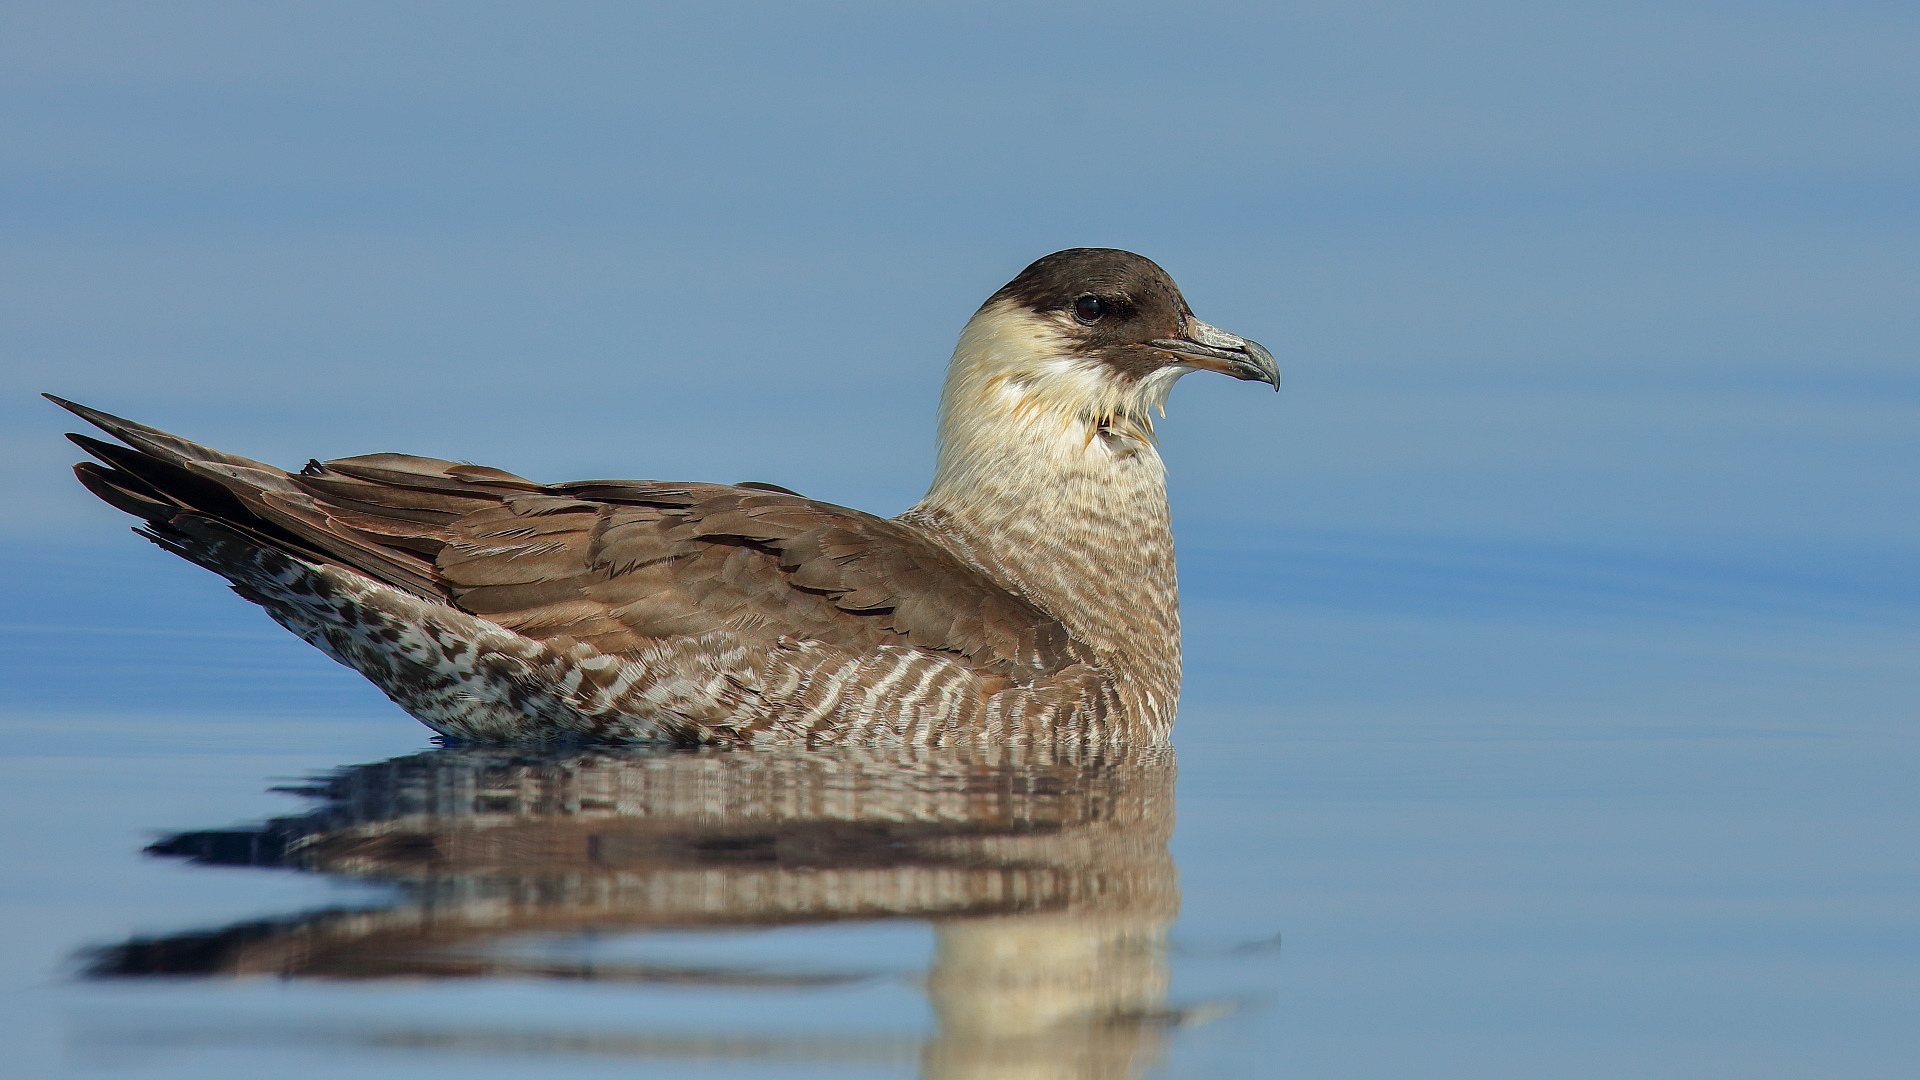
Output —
<point x="1248" y="361"/>
<point x="1259" y="366"/>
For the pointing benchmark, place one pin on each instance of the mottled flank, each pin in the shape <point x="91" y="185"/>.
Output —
<point x="1028" y="599"/>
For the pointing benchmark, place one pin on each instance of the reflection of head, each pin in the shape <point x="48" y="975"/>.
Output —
<point x="1048" y="877"/>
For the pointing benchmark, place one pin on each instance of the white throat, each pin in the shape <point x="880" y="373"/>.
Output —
<point x="1020" y="411"/>
<point x="1048" y="481"/>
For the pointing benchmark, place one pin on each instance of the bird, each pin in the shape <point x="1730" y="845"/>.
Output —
<point x="1028" y="599"/>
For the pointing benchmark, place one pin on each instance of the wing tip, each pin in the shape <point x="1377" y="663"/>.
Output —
<point x="90" y="415"/>
<point x="127" y="431"/>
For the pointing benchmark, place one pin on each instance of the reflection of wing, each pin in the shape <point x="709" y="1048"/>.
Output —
<point x="1048" y="882"/>
<point x="758" y="838"/>
<point x="609" y="563"/>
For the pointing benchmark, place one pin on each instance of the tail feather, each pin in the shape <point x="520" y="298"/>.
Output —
<point x="173" y="482"/>
<point x="387" y="532"/>
<point x="126" y="493"/>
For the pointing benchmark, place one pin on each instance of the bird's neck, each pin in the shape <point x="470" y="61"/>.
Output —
<point x="1069" y="509"/>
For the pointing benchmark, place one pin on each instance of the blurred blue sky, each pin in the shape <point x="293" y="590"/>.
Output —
<point x="1555" y="288"/>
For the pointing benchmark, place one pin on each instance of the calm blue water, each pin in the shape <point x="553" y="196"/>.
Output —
<point x="1551" y="687"/>
<point x="1570" y="829"/>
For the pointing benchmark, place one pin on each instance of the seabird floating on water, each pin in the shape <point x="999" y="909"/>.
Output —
<point x="1029" y="597"/>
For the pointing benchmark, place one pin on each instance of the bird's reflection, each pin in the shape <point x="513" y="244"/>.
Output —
<point x="1046" y="878"/>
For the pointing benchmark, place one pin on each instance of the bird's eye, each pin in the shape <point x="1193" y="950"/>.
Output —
<point x="1088" y="309"/>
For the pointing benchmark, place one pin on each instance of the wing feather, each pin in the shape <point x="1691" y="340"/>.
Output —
<point x="615" y="563"/>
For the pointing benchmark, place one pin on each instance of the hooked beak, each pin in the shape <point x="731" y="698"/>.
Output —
<point x="1213" y="349"/>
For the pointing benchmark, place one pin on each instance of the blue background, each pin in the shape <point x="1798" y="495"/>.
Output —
<point x="1550" y="636"/>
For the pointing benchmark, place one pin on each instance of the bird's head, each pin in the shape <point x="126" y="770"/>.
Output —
<point x="1094" y="335"/>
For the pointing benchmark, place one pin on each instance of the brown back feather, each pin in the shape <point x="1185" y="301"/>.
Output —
<point x="613" y="563"/>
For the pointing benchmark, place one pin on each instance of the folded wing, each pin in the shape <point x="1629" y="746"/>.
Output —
<point x="613" y="564"/>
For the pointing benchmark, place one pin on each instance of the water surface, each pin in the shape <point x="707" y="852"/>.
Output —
<point x="1669" y="837"/>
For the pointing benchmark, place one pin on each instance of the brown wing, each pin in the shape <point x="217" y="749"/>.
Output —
<point x="611" y="563"/>
<point x="618" y="562"/>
